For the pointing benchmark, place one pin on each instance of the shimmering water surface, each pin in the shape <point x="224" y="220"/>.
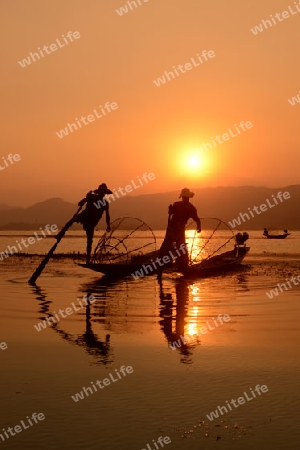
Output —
<point x="132" y="323"/>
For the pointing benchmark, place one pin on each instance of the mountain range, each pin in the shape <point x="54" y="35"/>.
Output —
<point x="225" y="203"/>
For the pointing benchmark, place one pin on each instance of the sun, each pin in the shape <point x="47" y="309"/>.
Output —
<point x="194" y="161"/>
<point x="192" y="164"/>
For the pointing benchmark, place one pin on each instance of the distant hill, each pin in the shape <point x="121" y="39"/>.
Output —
<point x="3" y="206"/>
<point x="52" y="211"/>
<point x="223" y="202"/>
<point x="20" y="226"/>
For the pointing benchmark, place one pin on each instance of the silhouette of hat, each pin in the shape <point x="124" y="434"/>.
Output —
<point x="102" y="189"/>
<point x="186" y="193"/>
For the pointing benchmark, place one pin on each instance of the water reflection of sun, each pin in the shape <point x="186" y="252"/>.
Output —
<point x="196" y="245"/>
<point x="192" y="327"/>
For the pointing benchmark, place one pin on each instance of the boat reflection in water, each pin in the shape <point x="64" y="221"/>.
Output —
<point x="200" y="312"/>
<point x="100" y="349"/>
<point x="142" y="309"/>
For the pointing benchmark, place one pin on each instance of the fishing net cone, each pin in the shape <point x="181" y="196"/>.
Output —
<point x="130" y="240"/>
<point x="216" y="237"/>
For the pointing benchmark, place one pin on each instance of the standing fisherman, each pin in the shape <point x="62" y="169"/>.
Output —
<point x="95" y="207"/>
<point x="179" y="214"/>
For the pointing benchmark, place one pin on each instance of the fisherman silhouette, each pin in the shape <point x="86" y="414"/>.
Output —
<point x="93" y="212"/>
<point x="179" y="214"/>
<point x="265" y="233"/>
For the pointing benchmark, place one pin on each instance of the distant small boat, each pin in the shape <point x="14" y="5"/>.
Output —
<point x="276" y="236"/>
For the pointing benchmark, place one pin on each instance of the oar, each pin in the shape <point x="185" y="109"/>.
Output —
<point x="59" y="237"/>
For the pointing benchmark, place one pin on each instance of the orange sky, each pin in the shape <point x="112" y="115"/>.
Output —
<point x="154" y="128"/>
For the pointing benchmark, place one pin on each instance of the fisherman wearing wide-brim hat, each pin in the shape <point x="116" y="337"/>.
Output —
<point x="102" y="189"/>
<point x="95" y="207"/>
<point x="179" y="214"/>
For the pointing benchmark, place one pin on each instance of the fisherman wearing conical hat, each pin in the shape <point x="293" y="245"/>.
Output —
<point x="95" y="207"/>
<point x="179" y="214"/>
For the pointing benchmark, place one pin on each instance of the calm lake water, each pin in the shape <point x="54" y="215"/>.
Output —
<point x="132" y="323"/>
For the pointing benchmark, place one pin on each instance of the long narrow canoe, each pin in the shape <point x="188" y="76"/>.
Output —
<point x="211" y="266"/>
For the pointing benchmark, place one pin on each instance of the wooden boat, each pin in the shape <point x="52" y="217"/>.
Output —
<point x="113" y="258"/>
<point x="275" y="236"/>
<point x="146" y="265"/>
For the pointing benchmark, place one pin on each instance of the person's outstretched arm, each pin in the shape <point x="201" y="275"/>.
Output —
<point x="197" y="220"/>
<point x="85" y="199"/>
<point x="82" y="202"/>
